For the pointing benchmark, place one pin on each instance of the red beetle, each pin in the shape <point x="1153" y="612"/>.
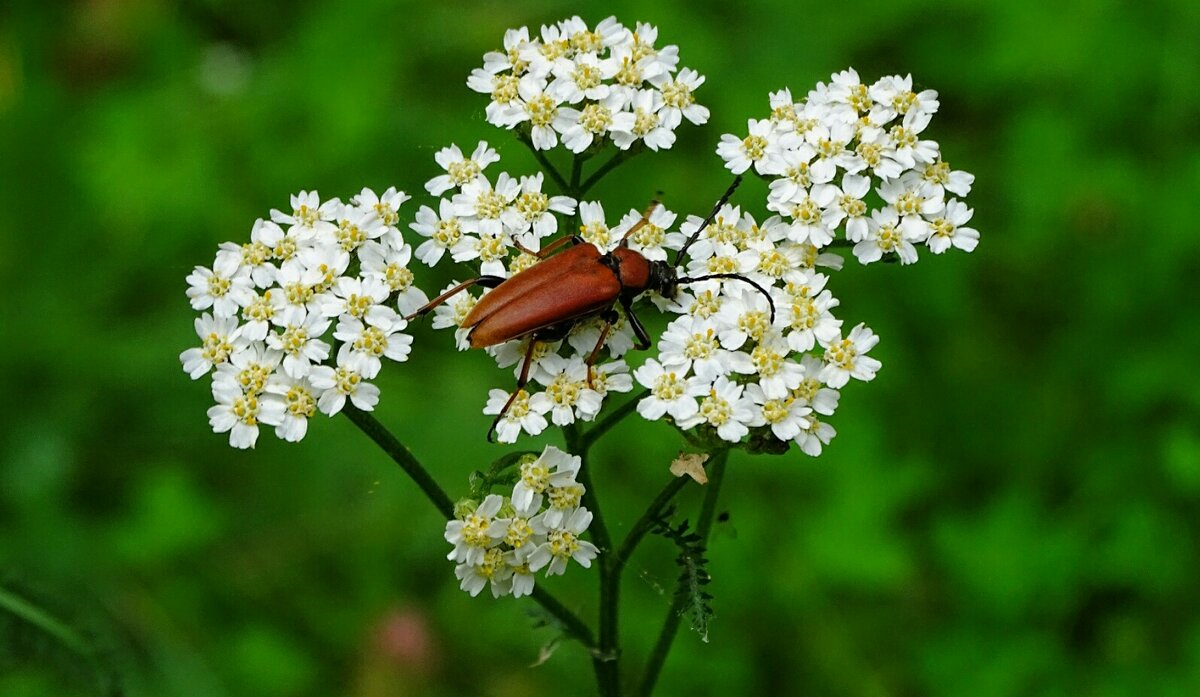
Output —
<point x="547" y="300"/>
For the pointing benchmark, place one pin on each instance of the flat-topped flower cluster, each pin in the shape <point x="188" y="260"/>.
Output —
<point x="826" y="153"/>
<point x="324" y="273"/>
<point x="588" y="85"/>
<point x="503" y="541"/>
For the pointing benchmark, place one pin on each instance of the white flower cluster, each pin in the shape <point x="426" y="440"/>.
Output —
<point x="587" y="85"/>
<point x="724" y="363"/>
<point x="500" y="226"/>
<point x="271" y="302"/>
<point x="505" y="540"/>
<point x="825" y="155"/>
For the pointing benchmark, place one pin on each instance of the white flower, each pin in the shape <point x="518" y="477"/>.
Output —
<point x="726" y="409"/>
<point x="533" y="211"/>
<point x="492" y="567"/>
<point x="249" y="369"/>
<point x="947" y="229"/>
<point x="563" y="543"/>
<point x="239" y="414"/>
<point x="692" y="343"/>
<point x="939" y="174"/>
<point x="671" y="392"/>
<point x="744" y="314"/>
<point x="299" y="404"/>
<point x="365" y="343"/>
<point x="389" y="265"/>
<point x="806" y="318"/>
<point x="846" y="358"/>
<point x="355" y="226"/>
<point x="521" y="415"/>
<point x="650" y="239"/>
<point x="786" y="416"/>
<point x="220" y="338"/>
<point x="453" y="313"/>
<point x="386" y="206"/>
<point x="541" y="110"/>
<point x="679" y="102"/>
<point x="486" y="204"/>
<point x="644" y="121"/>
<point x="338" y="384"/>
<point x="460" y="170"/>
<point x="224" y="288"/>
<point x="776" y="373"/>
<point x="846" y="204"/>
<point x="762" y="149"/>
<point x="490" y="248"/>
<point x="594" y="121"/>
<point x="895" y="94"/>
<point x="359" y="298"/>
<point x="256" y="254"/>
<point x="475" y="533"/>
<point x="567" y="392"/>
<point x="592" y="227"/>
<point x="815" y="436"/>
<point x="580" y="78"/>
<point x="309" y="216"/>
<point x="553" y="468"/>
<point x="261" y="312"/>
<point x="301" y="345"/>
<point x="444" y="231"/>
<point x="812" y="392"/>
<point x="886" y="233"/>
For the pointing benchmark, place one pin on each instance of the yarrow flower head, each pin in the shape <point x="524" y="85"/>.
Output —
<point x="501" y="542"/>
<point x="848" y="166"/>
<point x="325" y="274"/>
<point x="582" y="86"/>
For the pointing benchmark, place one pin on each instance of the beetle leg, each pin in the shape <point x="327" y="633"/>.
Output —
<point x="642" y="222"/>
<point x="550" y="248"/>
<point x="522" y="380"/>
<point x="639" y="331"/>
<point x="485" y="281"/>
<point x="610" y="318"/>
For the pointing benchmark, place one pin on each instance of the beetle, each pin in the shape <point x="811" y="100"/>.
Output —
<point x="549" y="299"/>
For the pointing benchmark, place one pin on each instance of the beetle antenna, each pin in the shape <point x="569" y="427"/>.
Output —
<point x="654" y="203"/>
<point x="736" y="277"/>
<point x="724" y="199"/>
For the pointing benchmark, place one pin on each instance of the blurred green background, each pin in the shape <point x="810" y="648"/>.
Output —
<point x="1009" y="509"/>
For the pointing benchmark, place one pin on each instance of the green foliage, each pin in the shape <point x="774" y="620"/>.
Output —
<point x="691" y="591"/>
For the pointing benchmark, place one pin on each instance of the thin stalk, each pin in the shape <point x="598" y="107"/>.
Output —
<point x="666" y="636"/>
<point x="607" y="167"/>
<point x="614" y="417"/>
<point x="546" y="165"/>
<point x="34" y="615"/>
<point x="645" y="524"/>
<point x="605" y="658"/>
<point x="402" y="456"/>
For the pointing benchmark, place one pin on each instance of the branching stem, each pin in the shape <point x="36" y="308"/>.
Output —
<point x="708" y="509"/>
<point x="402" y="456"/>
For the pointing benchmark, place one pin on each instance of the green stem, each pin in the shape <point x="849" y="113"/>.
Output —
<point x="607" y="167"/>
<point x="605" y="658"/>
<point x="548" y="166"/>
<point x="613" y="418"/>
<point x="402" y="456"/>
<point x="44" y="621"/>
<point x="646" y="523"/>
<point x="666" y="636"/>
